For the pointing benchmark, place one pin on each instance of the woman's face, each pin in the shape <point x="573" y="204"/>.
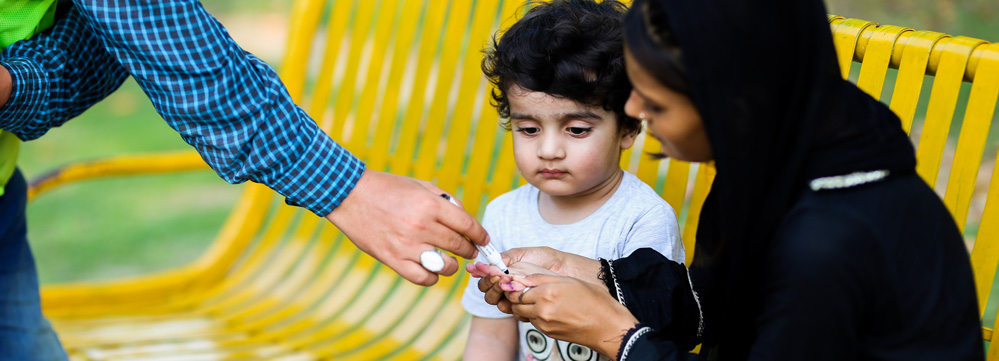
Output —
<point x="670" y="117"/>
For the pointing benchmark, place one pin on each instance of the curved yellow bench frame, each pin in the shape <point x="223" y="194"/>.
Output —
<point x="398" y="83"/>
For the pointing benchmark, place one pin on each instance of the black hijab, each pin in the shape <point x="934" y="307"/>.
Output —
<point x="763" y="75"/>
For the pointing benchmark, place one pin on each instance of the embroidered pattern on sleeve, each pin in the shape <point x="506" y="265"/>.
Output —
<point x="631" y="342"/>
<point x="617" y="287"/>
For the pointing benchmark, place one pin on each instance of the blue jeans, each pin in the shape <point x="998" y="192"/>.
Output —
<point x="24" y="333"/>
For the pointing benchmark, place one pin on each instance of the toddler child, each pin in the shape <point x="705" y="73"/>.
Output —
<point x="560" y="82"/>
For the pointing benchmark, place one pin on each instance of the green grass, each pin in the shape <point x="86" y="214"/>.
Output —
<point x="109" y="228"/>
<point x="112" y="228"/>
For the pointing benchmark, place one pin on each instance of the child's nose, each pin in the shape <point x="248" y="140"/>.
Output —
<point x="551" y="147"/>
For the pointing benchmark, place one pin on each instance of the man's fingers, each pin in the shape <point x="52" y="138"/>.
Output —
<point x="458" y="221"/>
<point x="434" y="260"/>
<point x="414" y="272"/>
<point x="430" y="186"/>
<point x="395" y="218"/>
<point x="446" y="238"/>
<point x="451" y="266"/>
<point x="463" y="223"/>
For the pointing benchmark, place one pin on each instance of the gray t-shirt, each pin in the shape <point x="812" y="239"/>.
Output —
<point x="634" y="217"/>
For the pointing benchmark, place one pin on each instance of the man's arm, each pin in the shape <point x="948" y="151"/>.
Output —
<point x="4" y="86"/>
<point x="222" y="100"/>
<point x="234" y="109"/>
<point x="54" y="76"/>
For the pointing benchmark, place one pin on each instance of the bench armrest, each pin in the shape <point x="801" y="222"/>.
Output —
<point x="152" y="163"/>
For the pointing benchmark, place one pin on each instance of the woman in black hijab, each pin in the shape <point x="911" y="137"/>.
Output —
<point x="817" y="240"/>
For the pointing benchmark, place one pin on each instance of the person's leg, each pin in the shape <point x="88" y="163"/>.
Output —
<point x="24" y="333"/>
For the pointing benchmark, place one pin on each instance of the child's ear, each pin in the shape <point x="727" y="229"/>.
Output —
<point x="628" y="138"/>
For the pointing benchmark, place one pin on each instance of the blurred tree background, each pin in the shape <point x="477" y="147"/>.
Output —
<point x="110" y="228"/>
<point x="973" y="18"/>
<point x="104" y="229"/>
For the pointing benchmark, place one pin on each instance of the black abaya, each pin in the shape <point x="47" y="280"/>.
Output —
<point x="784" y="271"/>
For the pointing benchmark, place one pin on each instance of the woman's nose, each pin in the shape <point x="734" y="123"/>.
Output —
<point x="633" y="106"/>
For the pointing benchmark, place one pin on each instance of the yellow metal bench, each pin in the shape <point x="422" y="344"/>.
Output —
<point x="398" y="83"/>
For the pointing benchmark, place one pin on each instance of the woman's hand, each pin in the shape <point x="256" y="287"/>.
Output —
<point x="566" y="264"/>
<point x="490" y="279"/>
<point x="569" y="309"/>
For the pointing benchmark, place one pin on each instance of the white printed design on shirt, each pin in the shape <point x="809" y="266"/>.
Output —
<point x="536" y="346"/>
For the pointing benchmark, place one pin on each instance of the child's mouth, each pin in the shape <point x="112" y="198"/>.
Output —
<point x="553" y="173"/>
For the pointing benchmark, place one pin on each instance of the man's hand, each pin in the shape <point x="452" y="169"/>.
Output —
<point x="6" y="86"/>
<point x="395" y="218"/>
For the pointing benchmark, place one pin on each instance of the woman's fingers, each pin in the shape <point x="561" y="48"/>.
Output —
<point x="566" y="264"/>
<point x="528" y="301"/>
<point x="546" y="257"/>
<point x="522" y="290"/>
<point x="569" y="309"/>
<point x="527" y="268"/>
<point x="514" y="255"/>
<point x="540" y="279"/>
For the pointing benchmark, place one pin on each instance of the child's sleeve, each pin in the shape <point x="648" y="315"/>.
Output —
<point x="656" y="229"/>
<point x="473" y="300"/>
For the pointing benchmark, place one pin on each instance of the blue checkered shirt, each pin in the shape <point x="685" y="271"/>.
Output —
<point x="227" y="103"/>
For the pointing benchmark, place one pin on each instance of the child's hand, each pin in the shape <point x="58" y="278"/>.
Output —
<point x="490" y="277"/>
<point x="482" y="270"/>
<point x="520" y="270"/>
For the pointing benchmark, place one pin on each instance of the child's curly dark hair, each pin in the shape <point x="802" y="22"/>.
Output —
<point x="569" y="49"/>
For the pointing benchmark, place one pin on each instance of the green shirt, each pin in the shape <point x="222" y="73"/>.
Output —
<point x="19" y="20"/>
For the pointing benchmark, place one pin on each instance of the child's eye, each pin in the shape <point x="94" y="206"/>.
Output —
<point x="577" y="131"/>
<point x="528" y="130"/>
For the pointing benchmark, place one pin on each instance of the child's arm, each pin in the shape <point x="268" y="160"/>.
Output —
<point x="492" y="339"/>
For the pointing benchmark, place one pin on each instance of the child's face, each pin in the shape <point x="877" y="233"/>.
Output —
<point x="563" y="147"/>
